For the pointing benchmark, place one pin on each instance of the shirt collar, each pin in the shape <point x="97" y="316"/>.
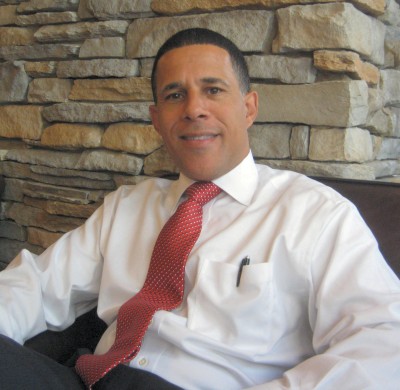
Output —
<point x="240" y="183"/>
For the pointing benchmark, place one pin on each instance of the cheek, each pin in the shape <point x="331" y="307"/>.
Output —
<point x="167" y="121"/>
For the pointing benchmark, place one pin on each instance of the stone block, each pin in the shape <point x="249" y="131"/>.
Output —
<point x="40" y="52"/>
<point x="47" y="158"/>
<point x="385" y="169"/>
<point x="390" y="149"/>
<point x="160" y="163"/>
<point x="3" y="206"/>
<point x="75" y="182"/>
<point x="13" y="190"/>
<point x="270" y="141"/>
<point x="110" y="161"/>
<point x="13" y="82"/>
<point x="348" y="145"/>
<point x="22" y="214"/>
<point x="329" y="26"/>
<point x="84" y="11"/>
<point x="382" y="122"/>
<point x="8" y="15"/>
<point x="16" y="170"/>
<point x="48" y="175"/>
<point x="21" y="121"/>
<point x="49" y="90"/>
<point x="64" y="172"/>
<point x="41" y="237"/>
<point x="41" y="18"/>
<point x="129" y="180"/>
<point x="251" y="31"/>
<point x="11" y="1"/>
<point x="132" y="138"/>
<point x="9" y="229"/>
<point x="103" y="47"/>
<point x="376" y="99"/>
<point x="178" y="6"/>
<point x="34" y="217"/>
<point x="62" y="208"/>
<point x="376" y="145"/>
<point x="40" y="68"/>
<point x="60" y="193"/>
<point x="112" y="90"/>
<point x="392" y="47"/>
<point x="98" y="68"/>
<point x="11" y="248"/>
<point x="16" y="36"/>
<point x="106" y="9"/>
<point x="289" y="70"/>
<point x="32" y="6"/>
<point x="146" y="67"/>
<point x="391" y="15"/>
<point x="396" y="116"/>
<point x="346" y="61"/>
<point x="373" y="7"/>
<point x="390" y="84"/>
<point x="97" y="113"/>
<point x="330" y="103"/>
<point x="173" y="7"/>
<point x="299" y="142"/>
<point x="80" y="31"/>
<point x="73" y="136"/>
<point x="389" y="59"/>
<point x="311" y="168"/>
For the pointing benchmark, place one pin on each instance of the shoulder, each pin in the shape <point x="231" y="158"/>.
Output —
<point x="296" y="187"/>
<point x="148" y="188"/>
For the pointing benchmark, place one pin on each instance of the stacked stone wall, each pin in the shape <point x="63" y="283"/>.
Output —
<point x="75" y="92"/>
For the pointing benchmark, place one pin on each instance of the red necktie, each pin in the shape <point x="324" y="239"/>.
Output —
<point x="162" y="289"/>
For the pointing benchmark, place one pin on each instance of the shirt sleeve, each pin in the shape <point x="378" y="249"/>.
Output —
<point x="354" y="313"/>
<point x="49" y="291"/>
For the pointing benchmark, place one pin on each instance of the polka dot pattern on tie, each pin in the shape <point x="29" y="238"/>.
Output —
<point x="163" y="288"/>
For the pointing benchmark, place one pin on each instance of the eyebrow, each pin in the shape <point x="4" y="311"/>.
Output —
<point x="205" y="80"/>
<point x="214" y="80"/>
<point x="171" y="86"/>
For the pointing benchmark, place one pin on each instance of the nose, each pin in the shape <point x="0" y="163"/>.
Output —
<point x="195" y="107"/>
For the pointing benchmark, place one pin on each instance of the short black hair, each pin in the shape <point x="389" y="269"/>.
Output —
<point x="203" y="36"/>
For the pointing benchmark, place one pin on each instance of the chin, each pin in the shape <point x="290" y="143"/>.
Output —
<point x="203" y="176"/>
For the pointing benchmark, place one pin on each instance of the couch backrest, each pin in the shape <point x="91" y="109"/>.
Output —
<point x="379" y="204"/>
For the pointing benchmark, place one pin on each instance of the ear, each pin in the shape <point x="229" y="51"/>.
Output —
<point x="251" y="102"/>
<point x="153" y="110"/>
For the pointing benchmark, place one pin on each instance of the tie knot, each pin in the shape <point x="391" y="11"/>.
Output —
<point x="202" y="192"/>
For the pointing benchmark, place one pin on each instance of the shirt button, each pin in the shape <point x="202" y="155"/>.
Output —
<point x="143" y="362"/>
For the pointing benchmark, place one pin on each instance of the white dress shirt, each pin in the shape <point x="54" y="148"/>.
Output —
<point x="317" y="308"/>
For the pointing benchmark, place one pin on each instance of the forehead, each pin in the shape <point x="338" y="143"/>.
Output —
<point x="203" y="59"/>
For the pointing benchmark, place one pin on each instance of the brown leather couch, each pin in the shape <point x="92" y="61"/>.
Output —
<point x="378" y="203"/>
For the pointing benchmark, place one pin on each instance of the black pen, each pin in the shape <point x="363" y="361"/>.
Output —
<point x="245" y="261"/>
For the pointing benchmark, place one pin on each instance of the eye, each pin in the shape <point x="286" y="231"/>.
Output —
<point x="214" y="90"/>
<point x="174" y="96"/>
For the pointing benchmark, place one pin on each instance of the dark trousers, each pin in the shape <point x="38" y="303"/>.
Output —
<point x="25" y="369"/>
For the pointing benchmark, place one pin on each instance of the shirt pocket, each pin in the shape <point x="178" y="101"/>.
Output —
<point x="237" y="317"/>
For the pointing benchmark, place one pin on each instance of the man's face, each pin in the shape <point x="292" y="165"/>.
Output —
<point x="201" y="113"/>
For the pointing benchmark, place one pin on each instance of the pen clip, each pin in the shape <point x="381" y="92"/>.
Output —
<point x="245" y="261"/>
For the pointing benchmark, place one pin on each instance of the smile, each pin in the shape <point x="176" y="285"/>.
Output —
<point x="198" y="137"/>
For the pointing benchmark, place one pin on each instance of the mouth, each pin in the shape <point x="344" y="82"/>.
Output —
<point x="198" y="137"/>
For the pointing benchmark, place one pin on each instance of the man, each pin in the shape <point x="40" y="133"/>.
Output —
<point x="284" y="289"/>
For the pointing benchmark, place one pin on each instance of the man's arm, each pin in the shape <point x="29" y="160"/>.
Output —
<point x="354" y="313"/>
<point x="51" y="290"/>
